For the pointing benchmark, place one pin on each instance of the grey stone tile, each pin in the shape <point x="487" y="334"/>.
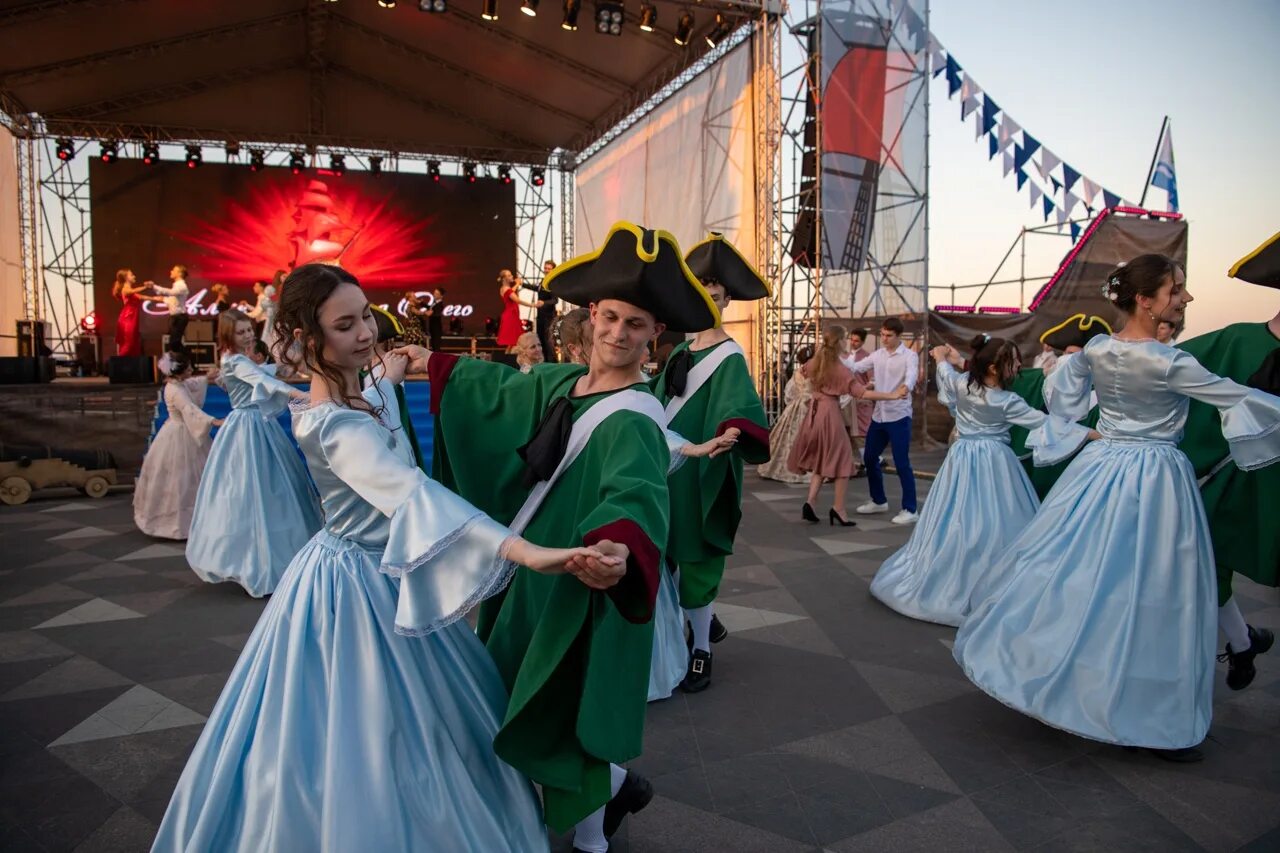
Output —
<point x="668" y="826"/>
<point x="28" y="645"/>
<point x="74" y="675"/>
<point x="54" y="592"/>
<point x="96" y="610"/>
<point x="126" y="830"/>
<point x="956" y="827"/>
<point x="903" y="690"/>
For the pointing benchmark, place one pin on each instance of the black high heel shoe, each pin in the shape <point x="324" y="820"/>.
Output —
<point x="809" y="515"/>
<point x="834" y="518"/>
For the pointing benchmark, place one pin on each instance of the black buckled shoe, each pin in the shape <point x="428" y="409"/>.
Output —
<point x="1240" y="668"/>
<point x="718" y="630"/>
<point x="635" y="794"/>
<point x="698" y="677"/>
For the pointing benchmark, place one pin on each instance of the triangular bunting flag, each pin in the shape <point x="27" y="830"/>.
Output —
<point x="1029" y="143"/>
<point x="953" y="76"/>
<point x="1069" y="201"/>
<point x="1110" y="199"/>
<point x="993" y="147"/>
<point x="1062" y="217"/>
<point x="1075" y="231"/>
<point x="1048" y="208"/>
<point x="1008" y="163"/>
<point x="1035" y="194"/>
<point x="1021" y="155"/>
<point x="967" y="106"/>
<point x="977" y="131"/>
<point x="1090" y="190"/>
<point x="1048" y="162"/>
<point x="1008" y="127"/>
<point x="937" y="58"/>
<point x="1069" y="176"/>
<point x="1057" y="185"/>
<point x="989" y="110"/>
<point x="1022" y="179"/>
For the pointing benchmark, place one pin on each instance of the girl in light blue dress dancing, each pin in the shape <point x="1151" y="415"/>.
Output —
<point x="1101" y="619"/>
<point x="981" y="499"/>
<point x="255" y="506"/>
<point x="334" y="733"/>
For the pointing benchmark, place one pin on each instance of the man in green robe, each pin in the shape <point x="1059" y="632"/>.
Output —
<point x="1240" y="505"/>
<point x="1067" y="337"/>
<point x="576" y="661"/>
<point x="707" y="390"/>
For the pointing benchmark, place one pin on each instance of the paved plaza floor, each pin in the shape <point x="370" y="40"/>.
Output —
<point x="833" y="724"/>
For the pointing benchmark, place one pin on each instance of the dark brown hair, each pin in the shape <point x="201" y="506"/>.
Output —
<point x="894" y="325"/>
<point x="227" y="322"/>
<point x="1142" y="276"/>
<point x="306" y="289"/>
<point x="998" y="352"/>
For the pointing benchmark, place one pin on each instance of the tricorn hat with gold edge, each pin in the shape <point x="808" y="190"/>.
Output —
<point x="1261" y="266"/>
<point x="1077" y="330"/>
<point x="715" y="259"/>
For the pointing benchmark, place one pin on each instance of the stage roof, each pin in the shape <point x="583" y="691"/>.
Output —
<point x="346" y="74"/>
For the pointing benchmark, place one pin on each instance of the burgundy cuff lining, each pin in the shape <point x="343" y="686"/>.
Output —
<point x="637" y="593"/>
<point x="439" y="368"/>
<point x="751" y="431"/>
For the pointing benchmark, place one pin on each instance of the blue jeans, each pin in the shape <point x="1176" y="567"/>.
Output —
<point x="879" y="436"/>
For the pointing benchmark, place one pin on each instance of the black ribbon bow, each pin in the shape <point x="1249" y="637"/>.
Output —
<point x="1267" y="378"/>
<point x="678" y="367"/>
<point x="544" y="451"/>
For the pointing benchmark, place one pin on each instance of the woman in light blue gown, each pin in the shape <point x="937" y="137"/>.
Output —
<point x="981" y="499"/>
<point x="1101" y="619"/>
<point x="333" y="732"/>
<point x="255" y="506"/>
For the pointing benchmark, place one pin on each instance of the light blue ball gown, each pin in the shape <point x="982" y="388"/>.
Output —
<point x="1101" y="619"/>
<point x="980" y="501"/>
<point x="670" y="659"/>
<point x="334" y="733"/>
<point x="255" y="506"/>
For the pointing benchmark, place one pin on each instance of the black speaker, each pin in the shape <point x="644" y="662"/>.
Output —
<point x="201" y="352"/>
<point x="25" y="370"/>
<point x="31" y="338"/>
<point x="131" y="370"/>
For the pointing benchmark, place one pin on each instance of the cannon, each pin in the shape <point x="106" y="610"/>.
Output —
<point x="26" y="468"/>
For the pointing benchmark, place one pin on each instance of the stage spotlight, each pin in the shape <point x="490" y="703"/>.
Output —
<point x="489" y="10"/>
<point x="648" y="17"/>
<point x="150" y="153"/>
<point x="609" y="17"/>
<point x="232" y="150"/>
<point x="66" y="148"/>
<point x="718" y="32"/>
<point x="537" y="177"/>
<point x="89" y="323"/>
<point x="433" y="170"/>
<point x="387" y="4"/>
<point x="570" y="20"/>
<point x="684" y="28"/>
<point x="530" y="8"/>
<point x="194" y="157"/>
<point x="433" y="6"/>
<point x="297" y="162"/>
<point x="337" y="164"/>
<point x="375" y="165"/>
<point x="469" y="172"/>
<point x="256" y="159"/>
<point x="109" y="152"/>
<point x="504" y="172"/>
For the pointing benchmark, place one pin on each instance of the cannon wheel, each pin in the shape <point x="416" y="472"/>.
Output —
<point x="95" y="487"/>
<point x="14" y="491"/>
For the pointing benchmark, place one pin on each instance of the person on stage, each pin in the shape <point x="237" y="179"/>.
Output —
<point x="894" y="364"/>
<point x="332" y="733"/>
<point x="416" y="315"/>
<point x="822" y="449"/>
<point x="1100" y="618"/>
<point x="256" y="506"/>
<point x="547" y="309"/>
<point x="576" y="457"/>
<point x="164" y="497"/>
<point x="175" y="299"/>
<point x="1240" y="505"/>
<point x="510" y="326"/>
<point x="221" y="297"/>
<point x="981" y="499"/>
<point x="263" y="313"/>
<point x="782" y="437"/>
<point x="707" y="389"/>
<point x="129" y="323"/>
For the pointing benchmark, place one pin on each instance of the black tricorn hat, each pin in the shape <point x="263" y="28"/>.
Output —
<point x="1077" y="330"/>
<point x="716" y="260"/>
<point x="389" y="327"/>
<point x="644" y="268"/>
<point x="1261" y="266"/>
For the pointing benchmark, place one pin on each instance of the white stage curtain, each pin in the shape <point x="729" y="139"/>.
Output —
<point x="10" y="247"/>
<point x="686" y="168"/>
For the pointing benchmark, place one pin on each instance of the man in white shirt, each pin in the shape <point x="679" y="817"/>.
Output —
<point x="175" y="298"/>
<point x="894" y="364"/>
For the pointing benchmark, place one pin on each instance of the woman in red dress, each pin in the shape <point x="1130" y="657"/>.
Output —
<point x="510" y="328"/>
<point x="129" y="323"/>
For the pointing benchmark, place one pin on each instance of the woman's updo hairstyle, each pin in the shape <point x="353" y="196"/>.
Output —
<point x="1142" y="276"/>
<point x="998" y="352"/>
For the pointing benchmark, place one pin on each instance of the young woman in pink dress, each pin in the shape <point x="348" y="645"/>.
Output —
<point x="822" y="449"/>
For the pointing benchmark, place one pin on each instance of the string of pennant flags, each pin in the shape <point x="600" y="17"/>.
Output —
<point x="1061" y="188"/>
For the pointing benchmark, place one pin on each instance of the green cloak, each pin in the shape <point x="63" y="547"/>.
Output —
<point x="1029" y="385"/>
<point x="706" y="494"/>
<point x="575" y="661"/>
<point x="1240" y="505"/>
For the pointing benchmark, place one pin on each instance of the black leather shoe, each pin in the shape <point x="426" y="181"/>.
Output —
<point x="635" y="794"/>
<point x="698" y="677"/>
<point x="834" y="518"/>
<point x="1240" y="668"/>
<point x="718" y="630"/>
<point x="808" y="514"/>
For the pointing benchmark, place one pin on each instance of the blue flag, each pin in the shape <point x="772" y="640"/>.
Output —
<point x="1164" y="176"/>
